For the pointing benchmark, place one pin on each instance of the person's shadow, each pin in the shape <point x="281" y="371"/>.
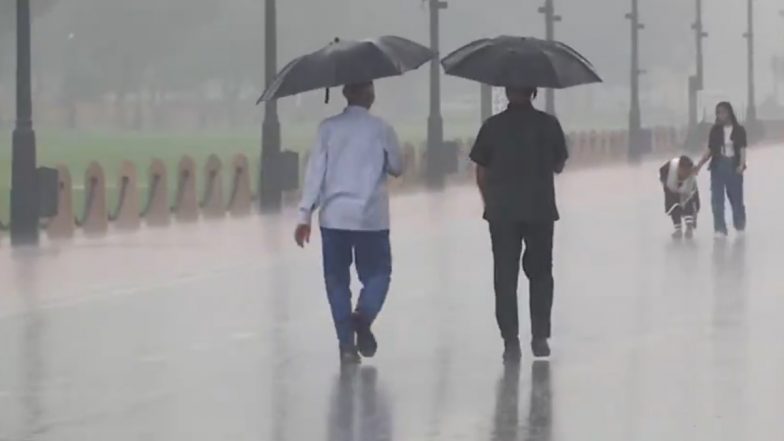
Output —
<point x="32" y="341"/>
<point x="538" y="427"/>
<point x="729" y="285"/>
<point x="359" y="411"/>
<point x="730" y="325"/>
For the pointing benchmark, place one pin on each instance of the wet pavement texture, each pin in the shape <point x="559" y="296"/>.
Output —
<point x="221" y="331"/>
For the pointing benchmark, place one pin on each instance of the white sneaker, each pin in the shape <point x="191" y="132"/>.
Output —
<point x="719" y="235"/>
<point x="677" y="234"/>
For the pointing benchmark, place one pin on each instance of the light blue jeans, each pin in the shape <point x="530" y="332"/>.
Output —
<point x="725" y="180"/>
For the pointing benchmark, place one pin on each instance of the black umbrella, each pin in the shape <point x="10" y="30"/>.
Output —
<point x="520" y="62"/>
<point x="348" y="62"/>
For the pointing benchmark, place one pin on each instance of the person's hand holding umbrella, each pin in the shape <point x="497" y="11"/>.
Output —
<point x="341" y="63"/>
<point x="518" y="150"/>
<point x="353" y="207"/>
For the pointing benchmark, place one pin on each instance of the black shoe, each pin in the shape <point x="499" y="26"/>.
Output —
<point x="540" y="347"/>
<point x="349" y="356"/>
<point x="366" y="341"/>
<point x="512" y="352"/>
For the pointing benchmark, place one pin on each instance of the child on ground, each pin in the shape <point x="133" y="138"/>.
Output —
<point x="681" y="195"/>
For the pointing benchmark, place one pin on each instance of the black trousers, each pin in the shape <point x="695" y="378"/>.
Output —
<point x="508" y="239"/>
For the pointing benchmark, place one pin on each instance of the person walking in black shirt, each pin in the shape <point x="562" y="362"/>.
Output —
<point x="727" y="145"/>
<point x="517" y="153"/>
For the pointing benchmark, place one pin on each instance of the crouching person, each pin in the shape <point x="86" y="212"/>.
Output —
<point x="681" y="195"/>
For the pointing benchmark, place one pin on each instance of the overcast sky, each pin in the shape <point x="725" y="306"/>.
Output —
<point x="597" y="28"/>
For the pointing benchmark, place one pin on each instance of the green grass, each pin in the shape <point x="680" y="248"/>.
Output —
<point x="77" y="150"/>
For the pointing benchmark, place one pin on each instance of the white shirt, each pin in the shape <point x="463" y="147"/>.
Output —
<point x="728" y="149"/>
<point x="687" y="188"/>
<point x="347" y="172"/>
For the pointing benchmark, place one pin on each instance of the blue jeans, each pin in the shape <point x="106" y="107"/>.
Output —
<point x="371" y="252"/>
<point x="725" y="180"/>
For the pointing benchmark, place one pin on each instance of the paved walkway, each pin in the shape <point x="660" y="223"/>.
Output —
<point x="221" y="331"/>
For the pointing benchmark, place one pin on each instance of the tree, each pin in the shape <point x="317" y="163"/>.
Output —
<point x="8" y="16"/>
<point x="115" y="46"/>
<point x="229" y="53"/>
<point x="7" y="37"/>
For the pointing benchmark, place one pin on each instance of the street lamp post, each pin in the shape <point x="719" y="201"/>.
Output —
<point x="751" y="111"/>
<point x="550" y="19"/>
<point x="435" y="176"/>
<point x="486" y="101"/>
<point x="24" y="185"/>
<point x="775" y="65"/>
<point x="778" y="69"/>
<point x="696" y="82"/>
<point x="270" y="188"/>
<point x="635" y="117"/>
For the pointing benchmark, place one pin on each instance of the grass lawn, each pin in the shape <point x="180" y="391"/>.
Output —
<point x="78" y="149"/>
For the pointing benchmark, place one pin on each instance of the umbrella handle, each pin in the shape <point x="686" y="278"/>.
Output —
<point x="326" y="91"/>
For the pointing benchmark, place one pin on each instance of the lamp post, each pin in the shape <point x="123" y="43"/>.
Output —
<point x="435" y="124"/>
<point x="270" y="188"/>
<point x="550" y="18"/>
<point x="696" y="82"/>
<point x="775" y="65"/>
<point x="635" y="117"/>
<point x="751" y="111"/>
<point x="24" y="185"/>
<point x="486" y="101"/>
<point x="778" y="69"/>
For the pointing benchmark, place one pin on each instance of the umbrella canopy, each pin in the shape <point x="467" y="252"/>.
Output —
<point x="348" y="62"/>
<point x="520" y="62"/>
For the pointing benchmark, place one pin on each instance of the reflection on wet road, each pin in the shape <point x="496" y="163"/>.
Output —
<point x="222" y="331"/>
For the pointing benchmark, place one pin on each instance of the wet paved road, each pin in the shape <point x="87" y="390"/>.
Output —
<point x="221" y="331"/>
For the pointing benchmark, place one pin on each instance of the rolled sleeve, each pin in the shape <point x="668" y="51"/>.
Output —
<point x="481" y="153"/>
<point x="394" y="163"/>
<point x="314" y="179"/>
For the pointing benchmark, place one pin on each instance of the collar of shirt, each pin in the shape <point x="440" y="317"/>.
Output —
<point x="355" y="109"/>
<point x="518" y="107"/>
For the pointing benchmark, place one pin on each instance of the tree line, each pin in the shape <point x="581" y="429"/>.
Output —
<point x="154" y="49"/>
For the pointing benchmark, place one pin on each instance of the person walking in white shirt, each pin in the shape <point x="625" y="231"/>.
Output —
<point x="346" y="181"/>
<point x="681" y="195"/>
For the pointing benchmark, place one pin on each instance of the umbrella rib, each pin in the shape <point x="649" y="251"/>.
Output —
<point x="510" y="61"/>
<point x="461" y="54"/>
<point x="553" y="72"/>
<point x="277" y="82"/>
<point x="348" y="62"/>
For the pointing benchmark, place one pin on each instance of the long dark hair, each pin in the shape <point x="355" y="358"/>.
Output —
<point x="728" y="107"/>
